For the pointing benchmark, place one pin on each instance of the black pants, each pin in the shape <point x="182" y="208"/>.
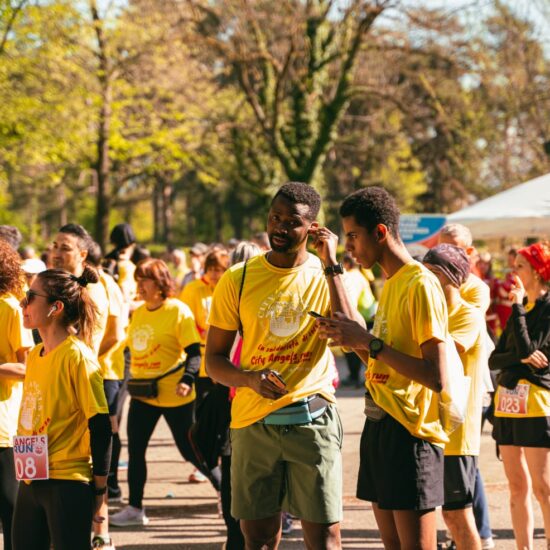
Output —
<point x="8" y="493"/>
<point x="354" y="366"/>
<point x="235" y="538"/>
<point x="142" y="419"/>
<point x="56" y="511"/>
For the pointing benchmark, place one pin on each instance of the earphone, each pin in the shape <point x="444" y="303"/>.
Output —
<point x="53" y="308"/>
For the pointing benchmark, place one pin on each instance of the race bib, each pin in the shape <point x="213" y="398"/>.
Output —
<point x="513" y="401"/>
<point x="30" y="453"/>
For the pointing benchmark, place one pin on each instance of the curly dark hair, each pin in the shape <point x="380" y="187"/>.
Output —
<point x="157" y="271"/>
<point x="372" y="206"/>
<point x="11" y="274"/>
<point x="301" y="193"/>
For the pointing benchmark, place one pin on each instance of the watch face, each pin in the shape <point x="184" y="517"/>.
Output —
<point x="376" y="344"/>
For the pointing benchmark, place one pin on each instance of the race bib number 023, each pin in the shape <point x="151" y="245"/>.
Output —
<point x="513" y="401"/>
<point x="30" y="453"/>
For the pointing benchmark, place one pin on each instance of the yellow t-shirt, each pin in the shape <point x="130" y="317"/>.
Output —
<point x="467" y="327"/>
<point x="477" y="293"/>
<point x="278" y="332"/>
<point x="198" y="296"/>
<point x="61" y="392"/>
<point x="14" y="337"/>
<point x="157" y="340"/>
<point x="98" y="294"/>
<point x="126" y="281"/>
<point x="112" y="362"/>
<point x="411" y="311"/>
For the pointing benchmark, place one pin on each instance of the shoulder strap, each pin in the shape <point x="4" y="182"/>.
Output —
<point x="239" y="302"/>
<point x="171" y="371"/>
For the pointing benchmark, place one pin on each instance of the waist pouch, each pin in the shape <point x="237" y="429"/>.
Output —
<point x="148" y="387"/>
<point x="143" y="387"/>
<point x="304" y="411"/>
<point x="372" y="410"/>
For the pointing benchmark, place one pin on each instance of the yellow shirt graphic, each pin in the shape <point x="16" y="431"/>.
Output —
<point x="411" y="311"/>
<point x="157" y="340"/>
<point x="61" y="392"/>
<point x="98" y="294"/>
<point x="198" y="296"/>
<point x="467" y="327"/>
<point x="278" y="333"/>
<point x="112" y="362"/>
<point x="14" y="338"/>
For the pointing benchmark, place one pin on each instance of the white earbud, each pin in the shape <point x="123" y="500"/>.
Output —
<point x="50" y="313"/>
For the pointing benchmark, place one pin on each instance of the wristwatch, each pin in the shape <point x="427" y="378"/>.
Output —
<point x="336" y="269"/>
<point x="375" y="347"/>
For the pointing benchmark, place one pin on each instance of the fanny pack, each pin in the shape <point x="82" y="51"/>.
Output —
<point x="304" y="411"/>
<point x="148" y="387"/>
<point x="372" y="410"/>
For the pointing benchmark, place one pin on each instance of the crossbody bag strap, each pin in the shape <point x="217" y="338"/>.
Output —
<point x="178" y="367"/>
<point x="239" y="302"/>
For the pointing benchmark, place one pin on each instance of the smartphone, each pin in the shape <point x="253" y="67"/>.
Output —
<point x="275" y="378"/>
<point x="316" y="315"/>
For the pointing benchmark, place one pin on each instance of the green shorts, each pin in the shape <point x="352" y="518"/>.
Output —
<point x="297" y="469"/>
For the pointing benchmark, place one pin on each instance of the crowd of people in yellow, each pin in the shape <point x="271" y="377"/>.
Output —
<point x="233" y="352"/>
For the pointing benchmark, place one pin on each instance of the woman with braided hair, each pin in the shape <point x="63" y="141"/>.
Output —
<point x="63" y="416"/>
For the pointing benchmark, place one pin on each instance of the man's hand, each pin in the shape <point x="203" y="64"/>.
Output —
<point x="183" y="390"/>
<point x="257" y="381"/>
<point x="537" y="359"/>
<point x="325" y="243"/>
<point x="344" y="332"/>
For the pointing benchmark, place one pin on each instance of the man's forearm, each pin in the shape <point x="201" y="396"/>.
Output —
<point x="339" y="299"/>
<point x="423" y="371"/>
<point x="14" y="371"/>
<point x="221" y="370"/>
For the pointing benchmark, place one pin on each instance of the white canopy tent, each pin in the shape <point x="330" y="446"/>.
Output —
<point x="520" y="212"/>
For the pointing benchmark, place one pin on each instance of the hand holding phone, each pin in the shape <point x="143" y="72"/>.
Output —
<point x="275" y="378"/>
<point x="316" y="315"/>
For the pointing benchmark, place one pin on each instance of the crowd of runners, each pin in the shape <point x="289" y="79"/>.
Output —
<point x="233" y="349"/>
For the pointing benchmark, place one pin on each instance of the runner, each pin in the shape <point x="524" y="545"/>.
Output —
<point x="467" y="328"/>
<point x="522" y="402"/>
<point x="401" y="469"/>
<point x="162" y="337"/>
<point x="14" y="345"/>
<point x="63" y="399"/>
<point x="286" y="434"/>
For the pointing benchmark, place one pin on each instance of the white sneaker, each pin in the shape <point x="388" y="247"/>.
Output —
<point x="129" y="515"/>
<point x="487" y="544"/>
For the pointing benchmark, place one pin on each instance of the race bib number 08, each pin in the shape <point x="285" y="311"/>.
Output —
<point x="30" y="453"/>
<point x="513" y="401"/>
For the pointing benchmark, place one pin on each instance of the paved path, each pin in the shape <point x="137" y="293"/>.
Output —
<point x="184" y="516"/>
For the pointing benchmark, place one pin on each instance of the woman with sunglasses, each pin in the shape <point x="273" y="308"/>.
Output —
<point x="521" y="426"/>
<point x="63" y="399"/>
<point x="163" y="340"/>
<point x="14" y="345"/>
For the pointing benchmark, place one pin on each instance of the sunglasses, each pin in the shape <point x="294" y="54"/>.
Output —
<point x="30" y="295"/>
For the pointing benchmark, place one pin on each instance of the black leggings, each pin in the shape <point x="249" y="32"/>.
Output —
<point x="8" y="492"/>
<point x="142" y="419"/>
<point x="56" y="511"/>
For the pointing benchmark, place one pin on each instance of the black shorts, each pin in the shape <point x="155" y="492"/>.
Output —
<point x="397" y="470"/>
<point x="460" y="480"/>
<point x="112" y="389"/>
<point x="532" y="431"/>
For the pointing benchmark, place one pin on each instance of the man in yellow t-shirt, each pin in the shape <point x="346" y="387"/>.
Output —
<point x="69" y="252"/>
<point x="401" y="466"/>
<point x="286" y="435"/>
<point x="467" y="329"/>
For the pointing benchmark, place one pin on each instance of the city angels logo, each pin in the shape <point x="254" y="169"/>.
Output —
<point x="31" y="407"/>
<point x="285" y="313"/>
<point x="141" y="336"/>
